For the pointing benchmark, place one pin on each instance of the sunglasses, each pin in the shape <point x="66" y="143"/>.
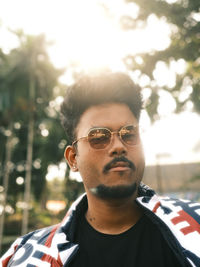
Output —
<point x="100" y="138"/>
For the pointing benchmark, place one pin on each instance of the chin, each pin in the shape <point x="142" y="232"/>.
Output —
<point x="114" y="192"/>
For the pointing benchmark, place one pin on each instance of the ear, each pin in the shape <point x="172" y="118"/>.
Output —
<point x="70" y="155"/>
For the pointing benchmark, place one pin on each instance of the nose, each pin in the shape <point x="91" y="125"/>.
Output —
<point x="117" y="147"/>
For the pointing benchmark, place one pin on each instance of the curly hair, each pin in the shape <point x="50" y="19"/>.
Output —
<point x="96" y="90"/>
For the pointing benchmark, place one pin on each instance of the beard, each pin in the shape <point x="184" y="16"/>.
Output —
<point x="114" y="192"/>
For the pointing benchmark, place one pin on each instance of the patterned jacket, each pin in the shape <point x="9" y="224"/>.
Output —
<point x="178" y="220"/>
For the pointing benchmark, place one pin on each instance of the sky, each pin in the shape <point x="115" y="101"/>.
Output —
<point x="85" y="32"/>
<point x="88" y="35"/>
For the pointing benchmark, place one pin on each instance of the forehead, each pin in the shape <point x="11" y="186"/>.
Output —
<point x="111" y="115"/>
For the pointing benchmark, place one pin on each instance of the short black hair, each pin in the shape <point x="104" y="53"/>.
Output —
<point x="96" y="90"/>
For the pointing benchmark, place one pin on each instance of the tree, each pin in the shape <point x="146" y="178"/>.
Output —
<point x="184" y="20"/>
<point x="26" y="81"/>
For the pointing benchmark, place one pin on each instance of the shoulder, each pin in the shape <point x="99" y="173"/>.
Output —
<point x="167" y="205"/>
<point x="44" y="244"/>
<point x="179" y="217"/>
<point x="156" y="203"/>
<point x="27" y="243"/>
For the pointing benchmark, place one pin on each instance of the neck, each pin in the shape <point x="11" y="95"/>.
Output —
<point x="112" y="216"/>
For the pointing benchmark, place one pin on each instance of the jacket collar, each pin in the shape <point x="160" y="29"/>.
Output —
<point x="64" y="235"/>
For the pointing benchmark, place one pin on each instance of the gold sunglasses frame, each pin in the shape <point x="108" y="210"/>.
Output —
<point x="112" y="133"/>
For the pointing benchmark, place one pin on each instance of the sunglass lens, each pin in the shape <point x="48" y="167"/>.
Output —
<point x="99" y="138"/>
<point x="129" y="135"/>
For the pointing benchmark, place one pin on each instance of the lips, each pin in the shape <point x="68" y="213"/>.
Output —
<point x="119" y="164"/>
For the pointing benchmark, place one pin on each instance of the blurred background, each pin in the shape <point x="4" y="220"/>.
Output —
<point x="44" y="47"/>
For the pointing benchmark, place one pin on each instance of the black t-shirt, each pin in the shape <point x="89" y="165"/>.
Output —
<point x="140" y="246"/>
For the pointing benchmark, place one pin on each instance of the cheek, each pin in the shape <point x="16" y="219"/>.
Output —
<point x="141" y="158"/>
<point x="138" y="155"/>
<point x="90" y="166"/>
<point x="140" y="163"/>
<point x="90" y="175"/>
<point x="140" y="169"/>
<point x="89" y="158"/>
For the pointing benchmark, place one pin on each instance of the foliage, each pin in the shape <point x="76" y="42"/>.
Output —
<point x="28" y="61"/>
<point x="183" y="18"/>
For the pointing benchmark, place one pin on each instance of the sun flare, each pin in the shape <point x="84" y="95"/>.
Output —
<point x="86" y="34"/>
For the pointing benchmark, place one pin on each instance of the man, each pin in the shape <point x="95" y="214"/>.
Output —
<point x="119" y="221"/>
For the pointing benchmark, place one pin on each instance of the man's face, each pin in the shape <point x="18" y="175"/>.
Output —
<point x="104" y="173"/>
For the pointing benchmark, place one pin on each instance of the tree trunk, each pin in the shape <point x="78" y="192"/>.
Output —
<point x="7" y="167"/>
<point x="27" y="192"/>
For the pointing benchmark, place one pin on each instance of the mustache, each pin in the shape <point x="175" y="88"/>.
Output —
<point x="119" y="159"/>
